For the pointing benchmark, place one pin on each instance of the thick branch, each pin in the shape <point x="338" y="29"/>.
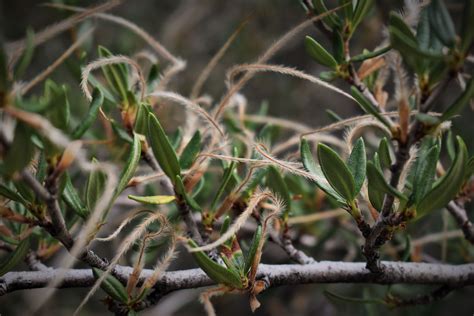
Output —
<point x="277" y="275"/>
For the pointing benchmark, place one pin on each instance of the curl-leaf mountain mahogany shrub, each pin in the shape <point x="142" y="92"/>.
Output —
<point x="68" y="165"/>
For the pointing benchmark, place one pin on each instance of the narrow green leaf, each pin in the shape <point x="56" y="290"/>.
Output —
<point x="72" y="199"/>
<point x="8" y="193"/>
<point x="95" y="187"/>
<point x="86" y="123"/>
<point x="120" y="132"/>
<point x="113" y="287"/>
<point x="229" y="171"/>
<point x="155" y="199"/>
<point x="176" y="138"/>
<point x="116" y="74"/>
<point x="377" y="180"/>
<point x="15" y="257"/>
<point x="179" y="187"/>
<point x="192" y="149"/>
<point x="336" y="172"/>
<point x="369" y="55"/>
<point x="58" y="104"/>
<point x="333" y="115"/>
<point x="162" y="148"/>
<point x="319" y="53"/>
<point x="425" y="172"/>
<point x="21" y="151"/>
<point x="338" y="45"/>
<point x="441" y="22"/>
<point x="357" y="164"/>
<point x="332" y="20"/>
<point x="384" y="154"/>
<point x="315" y="170"/>
<point x="249" y="257"/>
<point x="460" y="102"/>
<point x="131" y="164"/>
<point x="361" y="10"/>
<point x="423" y="33"/>
<point x="25" y="59"/>
<point x="367" y="106"/>
<point x="141" y="120"/>
<point x="447" y="187"/>
<point x="467" y="30"/>
<point x="215" y="271"/>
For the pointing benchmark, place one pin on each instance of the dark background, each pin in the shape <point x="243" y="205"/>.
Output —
<point x="195" y="30"/>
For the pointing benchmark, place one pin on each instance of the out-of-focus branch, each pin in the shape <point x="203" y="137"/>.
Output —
<point x="460" y="215"/>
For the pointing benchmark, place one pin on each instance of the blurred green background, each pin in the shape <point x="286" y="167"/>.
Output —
<point x="195" y="30"/>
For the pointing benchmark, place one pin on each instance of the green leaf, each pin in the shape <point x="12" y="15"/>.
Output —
<point x="229" y="171"/>
<point x="319" y="53"/>
<point x="384" y="154"/>
<point x="275" y="182"/>
<point x="25" y="59"/>
<point x="192" y="149"/>
<point x="141" y="120"/>
<point x="367" y="106"/>
<point x="377" y="180"/>
<point x="361" y="10"/>
<point x="448" y="186"/>
<point x="460" y="102"/>
<point x="113" y="287"/>
<point x="95" y="187"/>
<point x="72" y="199"/>
<point x="332" y="20"/>
<point x="15" y="257"/>
<point x="8" y="193"/>
<point x="215" y="271"/>
<point x="155" y="199"/>
<point x="58" y="104"/>
<point x="423" y="33"/>
<point x="131" y="164"/>
<point x="441" y="22"/>
<point x="336" y="172"/>
<point x="86" y="123"/>
<point x="21" y="151"/>
<point x="179" y="187"/>
<point x="338" y="45"/>
<point x="249" y="257"/>
<point x="116" y="74"/>
<point x="176" y="138"/>
<point x="425" y="172"/>
<point x="357" y="164"/>
<point x="369" y="55"/>
<point x="120" y="132"/>
<point x="333" y="115"/>
<point x="162" y="148"/>
<point x="315" y="170"/>
<point x="467" y="30"/>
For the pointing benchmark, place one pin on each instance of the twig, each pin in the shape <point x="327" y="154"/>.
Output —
<point x="34" y="263"/>
<point x="295" y="254"/>
<point x="460" y="215"/>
